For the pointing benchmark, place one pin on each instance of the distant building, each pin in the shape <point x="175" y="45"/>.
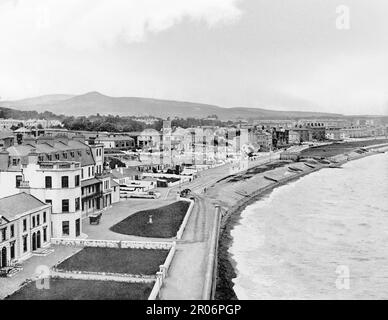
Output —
<point x="116" y="141"/>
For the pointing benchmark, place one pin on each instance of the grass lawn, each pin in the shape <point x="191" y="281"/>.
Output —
<point x="166" y="221"/>
<point x="335" y="149"/>
<point x="130" y="261"/>
<point x="68" y="289"/>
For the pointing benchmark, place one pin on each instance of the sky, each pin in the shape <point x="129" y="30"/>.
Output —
<point x="316" y="55"/>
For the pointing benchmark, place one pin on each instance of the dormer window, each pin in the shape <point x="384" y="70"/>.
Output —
<point x="65" y="155"/>
<point x="79" y="153"/>
<point x="72" y="154"/>
<point x="56" y="156"/>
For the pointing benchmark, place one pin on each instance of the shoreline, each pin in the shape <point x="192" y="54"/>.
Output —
<point x="226" y="263"/>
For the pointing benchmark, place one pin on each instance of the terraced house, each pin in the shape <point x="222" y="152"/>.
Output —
<point x="59" y="171"/>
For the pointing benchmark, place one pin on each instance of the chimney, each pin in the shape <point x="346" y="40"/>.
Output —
<point x="4" y="159"/>
<point x="32" y="157"/>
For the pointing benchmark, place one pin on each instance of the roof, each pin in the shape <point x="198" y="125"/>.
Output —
<point x="58" y="147"/>
<point x="12" y="206"/>
<point x="120" y="173"/>
<point x="6" y="134"/>
<point x="90" y="182"/>
<point x="113" y="183"/>
<point x="116" y="138"/>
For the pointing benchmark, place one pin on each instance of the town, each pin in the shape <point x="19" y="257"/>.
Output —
<point x="114" y="207"/>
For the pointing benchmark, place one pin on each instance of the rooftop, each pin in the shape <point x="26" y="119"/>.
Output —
<point x="12" y="206"/>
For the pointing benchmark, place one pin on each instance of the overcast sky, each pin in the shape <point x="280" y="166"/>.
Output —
<point x="279" y="54"/>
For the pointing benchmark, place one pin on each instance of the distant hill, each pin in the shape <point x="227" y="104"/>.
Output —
<point x="95" y="102"/>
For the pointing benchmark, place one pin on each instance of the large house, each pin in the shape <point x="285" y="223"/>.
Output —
<point x="25" y="224"/>
<point x="59" y="171"/>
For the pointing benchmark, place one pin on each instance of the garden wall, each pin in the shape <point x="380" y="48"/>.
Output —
<point x="112" y="243"/>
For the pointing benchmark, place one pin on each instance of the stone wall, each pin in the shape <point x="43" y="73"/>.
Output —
<point x="112" y="243"/>
<point x="185" y="219"/>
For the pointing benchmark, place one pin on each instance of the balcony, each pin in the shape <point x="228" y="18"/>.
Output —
<point x="60" y="165"/>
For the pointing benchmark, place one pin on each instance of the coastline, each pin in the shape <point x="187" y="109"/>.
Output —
<point x="226" y="263"/>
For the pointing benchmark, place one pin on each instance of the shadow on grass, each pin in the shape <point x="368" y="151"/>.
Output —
<point x="165" y="221"/>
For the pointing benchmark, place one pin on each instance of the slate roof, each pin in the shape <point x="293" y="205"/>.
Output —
<point x="12" y="206"/>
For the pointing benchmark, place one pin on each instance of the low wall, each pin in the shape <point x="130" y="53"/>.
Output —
<point x="162" y="274"/>
<point x="211" y="269"/>
<point x="185" y="219"/>
<point x="102" y="276"/>
<point x="112" y="244"/>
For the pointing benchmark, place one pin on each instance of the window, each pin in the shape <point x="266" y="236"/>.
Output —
<point x="33" y="221"/>
<point x="65" y="228"/>
<point x="12" y="229"/>
<point x="65" y="182"/>
<point x="4" y="234"/>
<point x="25" y="243"/>
<point x="12" y="247"/>
<point x="77" y="180"/>
<point x="92" y="171"/>
<point x="56" y="156"/>
<point x="45" y="234"/>
<point x="82" y="173"/>
<point x="25" y="225"/>
<point x="14" y="162"/>
<point x="48" y="182"/>
<point x="65" y="155"/>
<point x="18" y="181"/>
<point x="72" y="154"/>
<point x="77" y="202"/>
<point x="88" y="171"/>
<point x="65" y="205"/>
<point x="44" y="217"/>
<point x="77" y="227"/>
<point x="38" y="220"/>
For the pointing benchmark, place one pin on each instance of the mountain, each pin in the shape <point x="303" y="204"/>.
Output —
<point x="95" y="102"/>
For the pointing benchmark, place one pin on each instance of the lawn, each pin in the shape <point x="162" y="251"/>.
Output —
<point x="165" y="221"/>
<point x="68" y="289"/>
<point x="129" y="261"/>
<point x="335" y="149"/>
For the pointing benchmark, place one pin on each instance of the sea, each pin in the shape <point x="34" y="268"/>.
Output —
<point x="324" y="236"/>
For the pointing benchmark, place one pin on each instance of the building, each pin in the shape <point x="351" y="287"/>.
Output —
<point x="261" y="140"/>
<point x="294" y="137"/>
<point x="58" y="171"/>
<point x="24" y="227"/>
<point x="280" y="137"/>
<point x="6" y="139"/>
<point x="333" y="134"/>
<point x="115" y="141"/>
